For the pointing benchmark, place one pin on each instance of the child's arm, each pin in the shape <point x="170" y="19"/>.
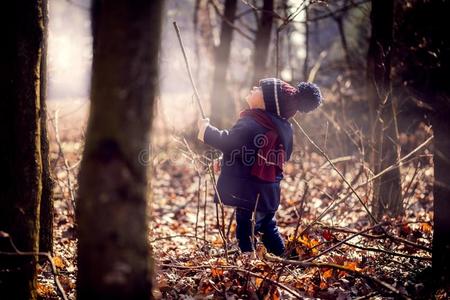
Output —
<point x="223" y="140"/>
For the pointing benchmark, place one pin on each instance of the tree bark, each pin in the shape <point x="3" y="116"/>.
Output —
<point x="46" y="209"/>
<point x="306" y="60"/>
<point x="423" y="57"/>
<point x="114" y="259"/>
<point x="21" y="154"/>
<point x="441" y="193"/>
<point x="262" y="41"/>
<point x="221" y="103"/>
<point x="387" y="196"/>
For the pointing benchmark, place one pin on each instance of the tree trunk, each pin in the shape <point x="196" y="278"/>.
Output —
<point x="387" y="196"/>
<point x="21" y="154"/>
<point x="441" y="193"/>
<point x="423" y="63"/>
<point x="262" y="42"/>
<point x="306" y="61"/>
<point x="221" y="103"/>
<point x="114" y="260"/>
<point x="46" y="209"/>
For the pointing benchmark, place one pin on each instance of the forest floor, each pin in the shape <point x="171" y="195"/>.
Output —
<point x="339" y="254"/>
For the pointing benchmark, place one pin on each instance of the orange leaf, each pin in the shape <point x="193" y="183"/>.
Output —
<point x="258" y="282"/>
<point x="59" y="263"/>
<point x="351" y="265"/>
<point x="427" y="228"/>
<point x="327" y="274"/>
<point x="216" y="272"/>
<point x="44" y="291"/>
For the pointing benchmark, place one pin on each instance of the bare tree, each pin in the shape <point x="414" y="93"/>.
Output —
<point x="114" y="260"/>
<point x="46" y="209"/>
<point x="24" y="149"/>
<point x="221" y="102"/>
<point x="262" y="40"/>
<point x="387" y="196"/>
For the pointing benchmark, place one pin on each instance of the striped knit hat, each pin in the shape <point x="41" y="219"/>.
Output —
<point x="284" y="100"/>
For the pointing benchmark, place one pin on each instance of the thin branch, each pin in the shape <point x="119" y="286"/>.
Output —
<point x="237" y="29"/>
<point x="387" y="252"/>
<point x="67" y="167"/>
<point x="253" y="226"/>
<point x="237" y="269"/>
<point x="338" y="267"/>
<point x="47" y="255"/>
<point x="198" y="203"/>
<point x="337" y="171"/>
<point x="177" y="236"/>
<point x="342" y="242"/>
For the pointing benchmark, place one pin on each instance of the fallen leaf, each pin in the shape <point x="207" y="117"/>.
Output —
<point x="59" y="263"/>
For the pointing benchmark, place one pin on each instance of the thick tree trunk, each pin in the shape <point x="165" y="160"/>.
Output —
<point x="262" y="42"/>
<point x="441" y="193"/>
<point x="424" y="64"/>
<point x="20" y="150"/>
<point x="222" y="105"/>
<point x="387" y="196"/>
<point x="113" y="250"/>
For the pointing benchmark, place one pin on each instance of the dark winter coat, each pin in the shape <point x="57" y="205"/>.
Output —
<point x="239" y="145"/>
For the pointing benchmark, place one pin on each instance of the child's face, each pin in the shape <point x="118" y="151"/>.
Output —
<point x="255" y="99"/>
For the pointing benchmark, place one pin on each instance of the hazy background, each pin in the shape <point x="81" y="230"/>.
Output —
<point x="70" y="56"/>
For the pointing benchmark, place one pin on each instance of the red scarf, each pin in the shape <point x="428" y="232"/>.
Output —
<point x="271" y="154"/>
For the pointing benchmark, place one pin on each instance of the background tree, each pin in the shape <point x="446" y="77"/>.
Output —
<point x="46" y="208"/>
<point x="24" y="148"/>
<point x="114" y="256"/>
<point x="222" y="104"/>
<point x="387" y="196"/>
<point x="262" y="41"/>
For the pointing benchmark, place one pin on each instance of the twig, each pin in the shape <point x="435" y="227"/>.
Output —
<point x="221" y="230"/>
<point x="204" y="210"/>
<point x="406" y="192"/>
<point x="384" y="235"/>
<point x="254" y="225"/>
<point x="67" y="167"/>
<point x="339" y="173"/>
<point x="177" y="236"/>
<point x="230" y="223"/>
<point x="338" y="267"/>
<point x="280" y="285"/>
<point x="342" y="242"/>
<point x="47" y="255"/>
<point x="388" y="252"/>
<point x="198" y="202"/>
<point x="297" y="227"/>
<point x="197" y="97"/>
<point x="237" y="269"/>
<point x="405" y="241"/>
<point x="302" y="202"/>
<point x="229" y="23"/>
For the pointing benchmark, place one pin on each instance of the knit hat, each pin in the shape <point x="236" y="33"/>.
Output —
<point x="284" y="100"/>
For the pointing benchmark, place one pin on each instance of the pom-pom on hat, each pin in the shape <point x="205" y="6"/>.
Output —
<point x="284" y="100"/>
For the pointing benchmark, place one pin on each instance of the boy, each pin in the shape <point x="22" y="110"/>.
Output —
<point x="254" y="151"/>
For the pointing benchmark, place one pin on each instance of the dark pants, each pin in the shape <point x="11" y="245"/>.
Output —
<point x="265" y="224"/>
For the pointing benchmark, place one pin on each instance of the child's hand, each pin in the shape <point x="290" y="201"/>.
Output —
<point x="202" y="124"/>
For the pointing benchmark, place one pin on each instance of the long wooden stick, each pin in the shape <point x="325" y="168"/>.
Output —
<point x="197" y="97"/>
